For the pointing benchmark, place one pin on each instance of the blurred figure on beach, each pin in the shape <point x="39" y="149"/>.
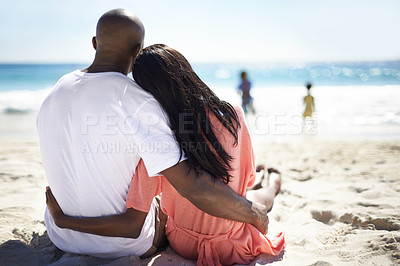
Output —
<point x="244" y="90"/>
<point x="309" y="102"/>
<point x="309" y="118"/>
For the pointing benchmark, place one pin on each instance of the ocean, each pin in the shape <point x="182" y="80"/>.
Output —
<point x="354" y="100"/>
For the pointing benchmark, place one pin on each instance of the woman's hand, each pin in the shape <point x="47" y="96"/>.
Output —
<point x="54" y="209"/>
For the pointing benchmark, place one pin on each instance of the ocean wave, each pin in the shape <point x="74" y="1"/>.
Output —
<point x="22" y="101"/>
<point x="336" y="105"/>
<point x="10" y="110"/>
<point x="357" y="105"/>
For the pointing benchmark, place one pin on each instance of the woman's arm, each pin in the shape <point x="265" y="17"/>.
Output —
<point x="216" y="198"/>
<point x="128" y="224"/>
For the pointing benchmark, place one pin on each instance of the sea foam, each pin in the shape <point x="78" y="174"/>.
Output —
<point x="22" y="101"/>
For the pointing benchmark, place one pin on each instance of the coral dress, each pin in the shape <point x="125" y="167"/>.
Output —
<point x="196" y="235"/>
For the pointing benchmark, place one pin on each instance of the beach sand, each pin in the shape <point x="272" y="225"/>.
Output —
<point x="339" y="205"/>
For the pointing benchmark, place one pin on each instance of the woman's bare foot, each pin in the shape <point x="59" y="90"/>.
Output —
<point x="273" y="170"/>
<point x="272" y="182"/>
<point x="275" y="179"/>
<point x="270" y="187"/>
<point x="260" y="167"/>
<point x="260" y="176"/>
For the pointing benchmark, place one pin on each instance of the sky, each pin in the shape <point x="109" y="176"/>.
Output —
<point x="54" y="31"/>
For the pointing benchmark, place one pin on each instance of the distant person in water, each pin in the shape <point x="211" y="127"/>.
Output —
<point x="309" y="102"/>
<point x="244" y="89"/>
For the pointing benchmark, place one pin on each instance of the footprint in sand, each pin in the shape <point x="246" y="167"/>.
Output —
<point x="299" y="177"/>
<point x="394" y="148"/>
<point x="323" y="216"/>
<point x="304" y="178"/>
<point x="364" y="204"/>
<point x="358" y="189"/>
<point x="384" y="224"/>
<point x="388" y="244"/>
<point x="321" y="263"/>
<point x="387" y="224"/>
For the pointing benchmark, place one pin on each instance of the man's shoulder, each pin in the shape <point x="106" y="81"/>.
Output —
<point x="68" y="76"/>
<point x="136" y="97"/>
<point x="106" y="82"/>
<point x="111" y="85"/>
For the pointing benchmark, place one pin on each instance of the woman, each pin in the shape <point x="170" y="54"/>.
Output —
<point x="214" y="137"/>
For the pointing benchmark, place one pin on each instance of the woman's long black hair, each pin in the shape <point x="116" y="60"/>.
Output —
<point x="187" y="101"/>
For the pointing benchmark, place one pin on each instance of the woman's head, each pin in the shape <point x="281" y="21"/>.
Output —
<point x="165" y="73"/>
<point x="187" y="101"/>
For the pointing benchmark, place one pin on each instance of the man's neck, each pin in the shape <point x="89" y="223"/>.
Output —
<point x="108" y="65"/>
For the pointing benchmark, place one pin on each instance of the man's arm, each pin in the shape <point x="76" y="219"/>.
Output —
<point x="214" y="197"/>
<point x="206" y="193"/>
<point x="128" y="224"/>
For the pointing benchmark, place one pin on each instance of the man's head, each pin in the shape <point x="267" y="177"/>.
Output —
<point x="119" y="33"/>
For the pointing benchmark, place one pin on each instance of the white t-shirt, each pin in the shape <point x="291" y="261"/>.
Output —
<point x="93" y="129"/>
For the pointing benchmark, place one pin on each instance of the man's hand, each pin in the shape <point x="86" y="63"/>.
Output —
<point x="54" y="208"/>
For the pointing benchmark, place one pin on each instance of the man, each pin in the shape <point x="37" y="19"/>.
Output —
<point x="95" y="126"/>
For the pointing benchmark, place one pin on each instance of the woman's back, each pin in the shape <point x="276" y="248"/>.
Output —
<point x="187" y="215"/>
<point x="197" y="235"/>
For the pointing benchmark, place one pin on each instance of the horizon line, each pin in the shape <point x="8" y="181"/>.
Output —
<point x="215" y="62"/>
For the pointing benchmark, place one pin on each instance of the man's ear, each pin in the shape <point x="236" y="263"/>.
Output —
<point x="134" y="54"/>
<point x="94" y="42"/>
<point x="132" y="61"/>
<point x="136" y="50"/>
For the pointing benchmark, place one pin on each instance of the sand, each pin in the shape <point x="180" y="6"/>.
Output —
<point x="339" y="205"/>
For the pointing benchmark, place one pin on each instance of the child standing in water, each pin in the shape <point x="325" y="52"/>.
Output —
<point x="309" y="102"/>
